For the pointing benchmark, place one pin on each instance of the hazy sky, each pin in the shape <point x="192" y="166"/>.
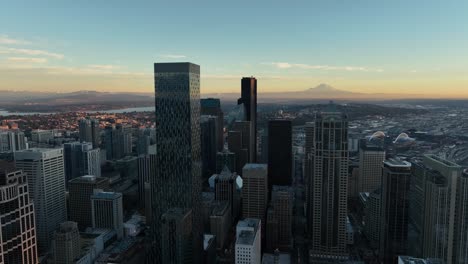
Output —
<point x="393" y="46"/>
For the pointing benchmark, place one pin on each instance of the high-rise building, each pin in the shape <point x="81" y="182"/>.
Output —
<point x="17" y="221"/>
<point x="255" y="191"/>
<point x="177" y="183"/>
<point x="212" y="106"/>
<point x="176" y="236"/>
<point x="239" y="142"/>
<point x="146" y="169"/>
<point x="396" y="176"/>
<point x="280" y="215"/>
<point x="437" y="210"/>
<point x="225" y="158"/>
<point x="11" y="141"/>
<point x="81" y="159"/>
<point x="372" y="212"/>
<point x="46" y="180"/>
<point x="327" y="185"/>
<point x="249" y="101"/>
<point x="107" y="211"/>
<point x="220" y="222"/>
<point x="42" y="136"/>
<point x="80" y="190"/>
<point x="370" y="167"/>
<point x="279" y="152"/>
<point x="89" y="131"/>
<point x="226" y="190"/>
<point x="66" y="245"/>
<point x="208" y="144"/>
<point x="248" y="248"/>
<point x="145" y="139"/>
<point x="118" y="141"/>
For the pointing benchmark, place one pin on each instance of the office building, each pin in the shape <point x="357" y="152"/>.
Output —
<point x="249" y="101"/>
<point x="209" y="249"/>
<point x="372" y="218"/>
<point x="80" y="190"/>
<point x="255" y="191"/>
<point x="208" y="144"/>
<point x="248" y="248"/>
<point x="437" y="210"/>
<point x="226" y="190"/>
<point x="370" y="167"/>
<point x="280" y="159"/>
<point x="177" y="183"/>
<point x="145" y="140"/>
<point x="327" y="188"/>
<point x="46" y="180"/>
<point x="66" y="245"/>
<point x="176" y="236"/>
<point x="276" y="258"/>
<point x="89" y="131"/>
<point x="212" y="107"/>
<point x="146" y="169"/>
<point x="18" y="245"/>
<point x="118" y="141"/>
<point x="239" y="142"/>
<point x="225" y="158"/>
<point x="220" y="222"/>
<point x="81" y="159"/>
<point x="11" y="141"/>
<point x="42" y="136"/>
<point x="107" y="211"/>
<point x="395" y="204"/>
<point x="279" y="219"/>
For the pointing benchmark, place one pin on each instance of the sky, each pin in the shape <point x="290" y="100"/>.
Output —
<point x="403" y="47"/>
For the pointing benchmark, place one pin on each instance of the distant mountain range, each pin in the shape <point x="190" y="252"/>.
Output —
<point x="320" y="93"/>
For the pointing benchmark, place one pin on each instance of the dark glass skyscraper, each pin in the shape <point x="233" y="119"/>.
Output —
<point x="279" y="152"/>
<point x="177" y="182"/>
<point x="212" y="106"/>
<point x="249" y="100"/>
<point x="327" y="185"/>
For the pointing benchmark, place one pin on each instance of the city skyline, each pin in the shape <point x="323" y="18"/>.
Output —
<point x="398" y="47"/>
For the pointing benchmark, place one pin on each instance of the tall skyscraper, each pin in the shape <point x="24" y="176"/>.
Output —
<point x="66" y="245"/>
<point x="107" y="211"/>
<point x="279" y="219"/>
<point x="249" y="101"/>
<point x="280" y="157"/>
<point x="372" y="211"/>
<point x="146" y="169"/>
<point x="177" y="183"/>
<point x="226" y="190"/>
<point x="80" y="190"/>
<point x="208" y="144"/>
<point x="438" y="209"/>
<point x="395" y="204"/>
<point x="239" y="142"/>
<point x="327" y="185"/>
<point x="17" y="221"/>
<point x="255" y="191"/>
<point x="248" y="248"/>
<point x="81" y="159"/>
<point x="176" y="236"/>
<point x="11" y="141"/>
<point x="118" y="141"/>
<point x="370" y="167"/>
<point x="89" y="131"/>
<point x="212" y="106"/>
<point x="46" y="180"/>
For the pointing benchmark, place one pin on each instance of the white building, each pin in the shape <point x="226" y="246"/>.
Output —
<point x="248" y="242"/>
<point x="46" y="180"/>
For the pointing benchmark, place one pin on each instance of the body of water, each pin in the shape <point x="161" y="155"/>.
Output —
<point x="112" y="111"/>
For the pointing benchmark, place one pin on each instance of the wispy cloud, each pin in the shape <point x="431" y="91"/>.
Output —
<point x="287" y="65"/>
<point x="32" y="52"/>
<point x="27" y="59"/>
<point x="172" y="56"/>
<point x="5" y="39"/>
<point x="104" y="67"/>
